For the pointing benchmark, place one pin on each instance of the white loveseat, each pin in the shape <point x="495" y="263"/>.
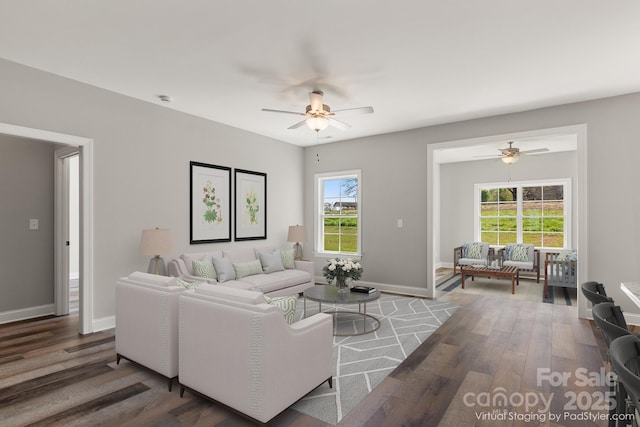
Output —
<point x="147" y="322"/>
<point x="272" y="281"/>
<point x="239" y="351"/>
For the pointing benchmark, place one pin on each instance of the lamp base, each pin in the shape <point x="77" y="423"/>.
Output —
<point x="156" y="266"/>
<point x="297" y="251"/>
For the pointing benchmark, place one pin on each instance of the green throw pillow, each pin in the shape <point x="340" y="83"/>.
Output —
<point x="249" y="268"/>
<point x="189" y="285"/>
<point x="287" y="259"/>
<point x="204" y="268"/>
<point x="287" y="306"/>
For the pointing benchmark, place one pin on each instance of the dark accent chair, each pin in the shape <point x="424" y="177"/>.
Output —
<point x="625" y="360"/>
<point x="595" y="292"/>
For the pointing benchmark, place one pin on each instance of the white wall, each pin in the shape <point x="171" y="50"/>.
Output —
<point x="396" y="183"/>
<point x="26" y="256"/>
<point x="141" y="171"/>
<point x="457" y="187"/>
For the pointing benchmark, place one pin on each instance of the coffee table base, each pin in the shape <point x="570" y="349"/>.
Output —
<point x="336" y="312"/>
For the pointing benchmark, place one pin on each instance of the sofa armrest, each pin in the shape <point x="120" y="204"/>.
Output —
<point x="177" y="268"/>
<point x="307" y="266"/>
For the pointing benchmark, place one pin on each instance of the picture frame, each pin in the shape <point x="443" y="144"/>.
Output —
<point x="250" y="205"/>
<point x="209" y="203"/>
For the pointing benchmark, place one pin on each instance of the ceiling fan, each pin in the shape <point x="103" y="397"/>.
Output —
<point x="319" y="116"/>
<point x="512" y="154"/>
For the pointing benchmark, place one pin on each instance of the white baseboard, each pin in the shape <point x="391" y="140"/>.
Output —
<point x="26" y="313"/>
<point x="108" y="322"/>
<point x="396" y="289"/>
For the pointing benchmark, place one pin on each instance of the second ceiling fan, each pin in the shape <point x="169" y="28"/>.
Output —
<point x="319" y="115"/>
<point x="511" y="154"/>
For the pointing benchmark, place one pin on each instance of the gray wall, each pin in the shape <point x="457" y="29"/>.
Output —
<point x="457" y="182"/>
<point x="26" y="192"/>
<point x="395" y="177"/>
<point x="141" y="171"/>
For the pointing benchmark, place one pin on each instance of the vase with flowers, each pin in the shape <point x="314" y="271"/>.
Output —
<point x="342" y="270"/>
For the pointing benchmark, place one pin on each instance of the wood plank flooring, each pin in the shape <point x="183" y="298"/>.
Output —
<point x="51" y="376"/>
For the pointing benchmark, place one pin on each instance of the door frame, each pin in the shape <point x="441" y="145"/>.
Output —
<point x="86" y="214"/>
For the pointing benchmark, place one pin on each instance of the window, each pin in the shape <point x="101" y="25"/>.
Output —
<point x="527" y="212"/>
<point x="338" y="210"/>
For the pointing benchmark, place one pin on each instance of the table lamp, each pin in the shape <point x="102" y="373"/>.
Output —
<point x="155" y="242"/>
<point x="297" y="234"/>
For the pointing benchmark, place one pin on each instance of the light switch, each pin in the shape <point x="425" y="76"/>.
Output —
<point x="34" y="224"/>
<point x="399" y="223"/>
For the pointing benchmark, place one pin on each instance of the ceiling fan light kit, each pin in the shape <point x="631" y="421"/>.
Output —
<point x="510" y="159"/>
<point x="319" y="116"/>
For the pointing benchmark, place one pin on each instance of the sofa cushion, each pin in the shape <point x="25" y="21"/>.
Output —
<point x="224" y="269"/>
<point x="292" y="277"/>
<point x="226" y="292"/>
<point x="287" y="306"/>
<point x="239" y="284"/>
<point x="287" y="259"/>
<point x="249" y="268"/>
<point x="266" y="282"/>
<point x="522" y="265"/>
<point x="204" y="268"/>
<point x="240" y="254"/>
<point x="271" y="262"/>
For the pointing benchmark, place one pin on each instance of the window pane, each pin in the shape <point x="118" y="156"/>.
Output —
<point x="489" y="209"/>
<point x="553" y="192"/>
<point x="489" y="224"/>
<point x="487" y="195"/>
<point x="349" y="243"/>
<point x="490" y="237"/>
<point x="531" y="193"/>
<point x="349" y="225"/>
<point x="508" y="209"/>
<point x="532" y="238"/>
<point x="331" y="242"/>
<point x="553" y="225"/>
<point x="508" y="224"/>
<point x="553" y="240"/>
<point x="553" y="208"/>
<point x="508" y="194"/>
<point x="531" y="208"/>
<point x="531" y="224"/>
<point x="507" y="237"/>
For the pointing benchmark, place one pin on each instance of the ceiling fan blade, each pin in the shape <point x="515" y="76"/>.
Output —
<point x="537" y="150"/>
<point x="269" y="110"/>
<point x="490" y="155"/>
<point x="358" y="110"/>
<point x="297" y="125"/>
<point x="338" y="124"/>
<point x="315" y="100"/>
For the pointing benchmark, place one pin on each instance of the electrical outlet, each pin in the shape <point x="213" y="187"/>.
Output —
<point x="34" y="224"/>
<point x="399" y="223"/>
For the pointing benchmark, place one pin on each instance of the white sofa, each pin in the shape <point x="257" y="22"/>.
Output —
<point x="239" y="351"/>
<point x="147" y="322"/>
<point x="277" y="283"/>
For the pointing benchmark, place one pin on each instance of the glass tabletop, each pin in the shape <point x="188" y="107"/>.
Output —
<point x="329" y="293"/>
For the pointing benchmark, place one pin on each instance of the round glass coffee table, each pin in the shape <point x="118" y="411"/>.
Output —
<point x="329" y="294"/>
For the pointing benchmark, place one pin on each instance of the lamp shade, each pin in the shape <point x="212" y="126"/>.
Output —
<point x="510" y="159"/>
<point x="297" y="233"/>
<point x="156" y="241"/>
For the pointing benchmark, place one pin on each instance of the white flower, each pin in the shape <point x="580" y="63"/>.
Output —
<point x="332" y="267"/>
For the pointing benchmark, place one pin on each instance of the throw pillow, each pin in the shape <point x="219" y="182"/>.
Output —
<point x="189" y="285"/>
<point x="474" y="250"/>
<point x="224" y="269"/>
<point x="286" y="304"/>
<point x="203" y="268"/>
<point x="271" y="262"/>
<point x="520" y="253"/>
<point x="287" y="259"/>
<point x="249" y="268"/>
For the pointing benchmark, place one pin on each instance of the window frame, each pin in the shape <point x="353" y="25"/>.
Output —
<point x="567" y="205"/>
<point x="319" y="215"/>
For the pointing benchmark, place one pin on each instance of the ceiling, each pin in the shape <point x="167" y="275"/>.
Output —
<point x="416" y="62"/>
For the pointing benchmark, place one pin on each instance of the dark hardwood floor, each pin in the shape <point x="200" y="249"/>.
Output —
<point x="51" y="376"/>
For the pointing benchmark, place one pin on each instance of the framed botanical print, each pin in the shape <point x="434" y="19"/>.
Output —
<point x="250" y="205"/>
<point x="210" y="203"/>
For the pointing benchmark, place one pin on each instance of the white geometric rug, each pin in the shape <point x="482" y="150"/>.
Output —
<point x="363" y="361"/>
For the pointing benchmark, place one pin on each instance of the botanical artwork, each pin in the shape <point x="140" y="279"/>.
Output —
<point x="250" y="205"/>
<point x="210" y="203"/>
